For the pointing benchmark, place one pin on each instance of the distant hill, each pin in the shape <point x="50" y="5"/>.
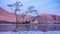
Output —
<point x="6" y="16"/>
<point x="42" y="18"/>
<point x="48" y="18"/>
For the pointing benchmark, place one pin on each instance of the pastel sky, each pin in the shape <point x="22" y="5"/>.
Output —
<point x="42" y="6"/>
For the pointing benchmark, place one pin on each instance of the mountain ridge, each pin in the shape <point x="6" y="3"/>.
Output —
<point x="6" y="16"/>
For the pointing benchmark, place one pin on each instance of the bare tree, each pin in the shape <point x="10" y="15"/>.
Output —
<point x="32" y="10"/>
<point x="16" y="7"/>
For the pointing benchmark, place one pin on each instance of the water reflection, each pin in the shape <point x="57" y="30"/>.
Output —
<point x="41" y="27"/>
<point x="30" y="27"/>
